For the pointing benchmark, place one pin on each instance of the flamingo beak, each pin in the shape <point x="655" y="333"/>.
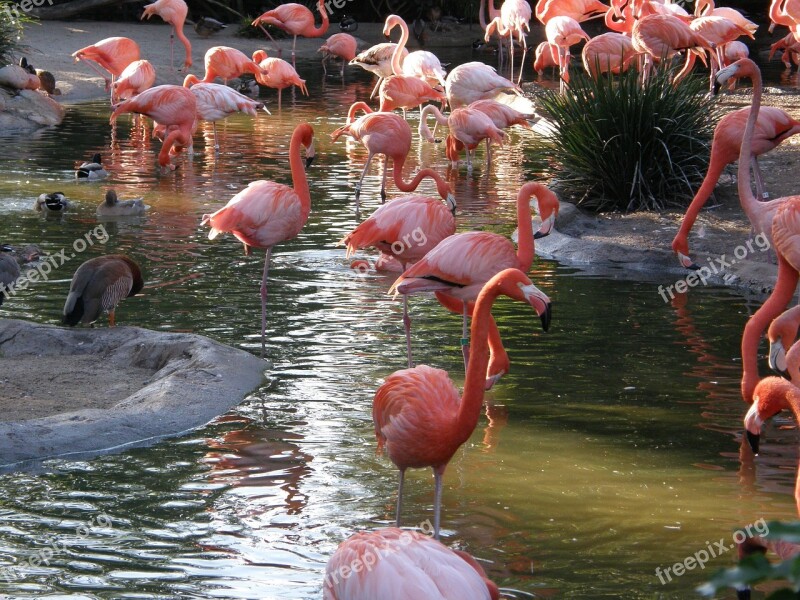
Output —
<point x="687" y="262"/>
<point x="451" y="203"/>
<point x="723" y="75"/>
<point x="540" y="303"/>
<point x="752" y="426"/>
<point x="777" y="359"/>
<point x="310" y="154"/>
<point x="545" y="228"/>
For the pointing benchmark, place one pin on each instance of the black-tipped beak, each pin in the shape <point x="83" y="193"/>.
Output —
<point x="753" y="440"/>
<point x="539" y="235"/>
<point x="784" y="374"/>
<point x="309" y="160"/>
<point x="717" y="86"/>
<point x="693" y="267"/>
<point x="546" y="316"/>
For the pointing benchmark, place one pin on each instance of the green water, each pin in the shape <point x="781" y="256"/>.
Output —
<point x="611" y="449"/>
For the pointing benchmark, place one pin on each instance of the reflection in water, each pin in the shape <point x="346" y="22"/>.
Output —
<point x="610" y="449"/>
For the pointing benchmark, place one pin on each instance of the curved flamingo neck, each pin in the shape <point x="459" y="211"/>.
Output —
<point x="746" y="197"/>
<point x="414" y="183"/>
<point x="186" y="44"/>
<point x="355" y="107"/>
<point x="525" y="245"/>
<point x="299" y="179"/>
<point x="397" y="67"/>
<point x="704" y="192"/>
<point x="424" y="130"/>
<point x="320" y="31"/>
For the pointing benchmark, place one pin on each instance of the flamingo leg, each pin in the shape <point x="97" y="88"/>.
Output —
<point x="399" y="497"/>
<point x="280" y="91"/>
<point x="375" y="89"/>
<point x="111" y="318"/>
<point x="465" y="339"/>
<point x="383" y="180"/>
<point x="407" y="327"/>
<point x="216" y="143"/>
<point x="760" y="191"/>
<point x="271" y="39"/>
<point x="172" y="49"/>
<point x="488" y="152"/>
<point x="361" y="179"/>
<point x="524" y="53"/>
<point x="437" y="500"/>
<point x="264" y="303"/>
<point x="511" y="54"/>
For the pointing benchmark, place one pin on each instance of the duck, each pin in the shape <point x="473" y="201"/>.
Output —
<point x="98" y="286"/>
<point x="113" y="207"/>
<point x="348" y="24"/>
<point x="51" y="203"/>
<point x="205" y="26"/>
<point x="91" y="170"/>
<point x="47" y="82"/>
<point x="9" y="270"/>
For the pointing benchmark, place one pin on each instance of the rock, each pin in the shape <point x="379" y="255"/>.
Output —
<point x="181" y="382"/>
<point x="27" y="110"/>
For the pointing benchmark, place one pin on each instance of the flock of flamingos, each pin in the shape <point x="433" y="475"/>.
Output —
<point x="420" y="418"/>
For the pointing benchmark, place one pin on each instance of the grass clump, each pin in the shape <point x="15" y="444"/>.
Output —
<point x="11" y="22"/>
<point x="621" y="145"/>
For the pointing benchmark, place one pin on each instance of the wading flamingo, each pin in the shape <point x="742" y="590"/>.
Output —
<point x="417" y="413"/>
<point x="278" y="74"/>
<point x="294" y="19"/>
<point x="112" y="54"/>
<point x="339" y="45"/>
<point x="772" y="127"/>
<point x="706" y="8"/>
<point x="227" y="63"/>
<point x="469" y="126"/>
<point x="421" y="64"/>
<point x="216" y="102"/>
<point x="172" y="106"/>
<point x="790" y="48"/>
<point x="719" y="32"/>
<point x="268" y="213"/>
<point x="544" y="57"/>
<point x="136" y="78"/>
<point x="782" y="334"/>
<point x="461" y="264"/>
<point x="173" y="12"/>
<point x="403" y="564"/>
<point x="778" y="220"/>
<point x="473" y="81"/>
<point x="98" y="285"/>
<point x="378" y="60"/>
<point x="564" y="32"/>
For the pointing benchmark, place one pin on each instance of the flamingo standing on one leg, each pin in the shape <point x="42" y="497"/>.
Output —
<point x="173" y="12"/>
<point x="781" y="334"/>
<point x="268" y="213"/>
<point x="227" y="63"/>
<point x="277" y="74"/>
<point x="564" y="32"/>
<point x="772" y="127"/>
<point x="461" y="264"/>
<point x="171" y="106"/>
<point x="398" y="559"/>
<point x="112" y="54"/>
<point x="339" y="45"/>
<point x="136" y="78"/>
<point x="514" y="19"/>
<point x="418" y="415"/>
<point x="295" y="19"/>
<point x="216" y="102"/>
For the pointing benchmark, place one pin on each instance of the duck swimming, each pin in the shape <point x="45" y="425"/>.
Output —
<point x="51" y="203"/>
<point x="113" y="207"/>
<point x="91" y="170"/>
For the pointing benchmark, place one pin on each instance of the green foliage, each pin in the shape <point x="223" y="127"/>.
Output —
<point x="756" y="568"/>
<point x="11" y="23"/>
<point x="621" y="145"/>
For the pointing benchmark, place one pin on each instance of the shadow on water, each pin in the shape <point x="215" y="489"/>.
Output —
<point x="611" y="448"/>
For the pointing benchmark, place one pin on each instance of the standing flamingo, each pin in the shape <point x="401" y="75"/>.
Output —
<point x="421" y="64"/>
<point x="580" y="10"/>
<point x="772" y="127"/>
<point x="339" y="45"/>
<point x="790" y="48"/>
<point x="295" y="19"/>
<point x="564" y="32"/>
<point x="417" y="413"/>
<point x="544" y="57"/>
<point x="784" y="12"/>
<point x="173" y="12"/>
<point x="609" y="52"/>
<point x="268" y="213"/>
<point x="475" y="80"/>
<point x="172" y="106"/>
<point x="661" y="37"/>
<point x="777" y="219"/>
<point x="514" y="19"/>
<point x="216" y="102"/>
<point x="227" y="63"/>
<point x="378" y="60"/>
<point x="782" y="334"/>
<point x="112" y="54"/>
<point x="136" y="78"/>
<point x="469" y="126"/>
<point x="461" y="264"/>
<point x="278" y="74"/>
<point x="403" y="564"/>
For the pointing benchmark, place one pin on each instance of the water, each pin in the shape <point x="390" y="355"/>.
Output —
<point x="611" y="449"/>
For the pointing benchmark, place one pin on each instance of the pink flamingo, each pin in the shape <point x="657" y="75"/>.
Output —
<point x="772" y="127"/>
<point x="172" y="106"/>
<point x="473" y="81"/>
<point x="216" y="102"/>
<point x="294" y="19"/>
<point x="278" y="74"/>
<point x="514" y="19"/>
<point x="418" y="415"/>
<point x="777" y="219"/>
<point x="610" y="52"/>
<point x="784" y="12"/>
<point x="136" y="78"/>
<point x="421" y="64"/>
<point x="458" y="267"/>
<point x="397" y="559"/>
<point x="468" y="125"/>
<point x="719" y="32"/>
<point x="268" y="213"/>
<point x="493" y="13"/>
<point x="564" y="32"/>
<point x="580" y="10"/>
<point x="339" y="45"/>
<point x="791" y="50"/>
<point x="112" y="54"/>
<point x="173" y="12"/>
<point x="663" y="36"/>
<point x="378" y="60"/>
<point x="401" y="91"/>
<point x="544" y="57"/>
<point x="781" y="334"/>
<point x="227" y="63"/>
<point x="706" y="8"/>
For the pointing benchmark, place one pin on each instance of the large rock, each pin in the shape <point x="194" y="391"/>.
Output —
<point x="182" y="382"/>
<point x="25" y="110"/>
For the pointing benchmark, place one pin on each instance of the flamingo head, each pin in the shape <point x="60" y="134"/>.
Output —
<point x="259" y="55"/>
<point x="769" y="398"/>
<point x="392" y="21"/>
<point x="515" y="284"/>
<point x="744" y="67"/>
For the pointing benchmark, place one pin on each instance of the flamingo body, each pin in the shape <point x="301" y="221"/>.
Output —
<point x="173" y="12"/>
<point x="134" y="79"/>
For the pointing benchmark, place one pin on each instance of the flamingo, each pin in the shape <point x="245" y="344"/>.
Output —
<point x="461" y="264"/>
<point x="417" y="413"/>
<point x="134" y="79"/>
<point x="378" y="60"/>
<point x="468" y="125"/>
<point x="706" y="8"/>
<point x="173" y="12"/>
<point x="172" y="106"/>
<point x="266" y="213"/>
<point x="784" y="12"/>
<point x="112" y="54"/>
<point x="473" y="81"/>
<point x="778" y="220"/>
<point x="294" y="19"/>
<point x="98" y="286"/>
<point x="580" y="10"/>
<point x="719" y="32"/>
<point x="661" y="37"/>
<point x="772" y="127"/>
<point x="514" y="19"/>
<point x="227" y="63"/>
<point x="421" y="64"/>
<point x="339" y="45"/>
<point x="545" y="56"/>
<point x="564" y="32"/>
<point x="278" y="74"/>
<point x="388" y="134"/>
<point x="609" y="52"/>
<point x="791" y="50"/>
<point x="781" y="334"/>
<point x="403" y="564"/>
<point x="493" y="13"/>
<point x="216" y="102"/>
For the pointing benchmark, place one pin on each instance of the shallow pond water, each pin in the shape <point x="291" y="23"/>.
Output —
<point x="611" y="449"/>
